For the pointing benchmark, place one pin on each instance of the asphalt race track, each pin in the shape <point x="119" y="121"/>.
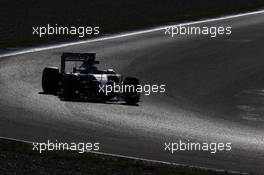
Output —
<point x="214" y="93"/>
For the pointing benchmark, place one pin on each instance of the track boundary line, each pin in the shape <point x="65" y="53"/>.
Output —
<point x="56" y="46"/>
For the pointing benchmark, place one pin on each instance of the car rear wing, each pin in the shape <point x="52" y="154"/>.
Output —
<point x="85" y="57"/>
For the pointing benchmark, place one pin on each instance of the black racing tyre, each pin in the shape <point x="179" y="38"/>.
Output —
<point x="50" y="80"/>
<point x="131" y="96"/>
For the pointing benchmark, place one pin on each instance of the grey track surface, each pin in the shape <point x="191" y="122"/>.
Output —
<point x="214" y="94"/>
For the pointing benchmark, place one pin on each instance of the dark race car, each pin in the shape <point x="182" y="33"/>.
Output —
<point x="85" y="81"/>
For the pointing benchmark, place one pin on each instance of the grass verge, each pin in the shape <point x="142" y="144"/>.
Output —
<point x="18" y="17"/>
<point x="18" y="158"/>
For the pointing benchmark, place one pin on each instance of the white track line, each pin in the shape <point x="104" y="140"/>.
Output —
<point x="126" y="34"/>
<point x="140" y="159"/>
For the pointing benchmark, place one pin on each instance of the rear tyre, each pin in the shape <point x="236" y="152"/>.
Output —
<point x="50" y="80"/>
<point x="131" y="96"/>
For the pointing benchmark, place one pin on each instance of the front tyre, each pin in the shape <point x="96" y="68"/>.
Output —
<point x="131" y="96"/>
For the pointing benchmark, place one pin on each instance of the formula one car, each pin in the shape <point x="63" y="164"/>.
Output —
<point x="85" y="81"/>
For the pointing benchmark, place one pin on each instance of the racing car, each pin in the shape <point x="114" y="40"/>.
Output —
<point x="83" y="80"/>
